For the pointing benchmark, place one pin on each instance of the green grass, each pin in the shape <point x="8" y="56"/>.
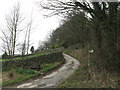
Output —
<point x="19" y="79"/>
<point x="27" y="73"/>
<point x="24" y="74"/>
<point x="19" y="58"/>
<point x="19" y="74"/>
<point x="48" y="66"/>
<point x="67" y="51"/>
<point x="2" y="60"/>
<point x="81" y="78"/>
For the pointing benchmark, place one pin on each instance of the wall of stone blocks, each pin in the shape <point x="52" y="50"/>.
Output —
<point x="33" y="62"/>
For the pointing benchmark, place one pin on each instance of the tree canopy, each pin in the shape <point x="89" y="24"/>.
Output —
<point x="94" y="23"/>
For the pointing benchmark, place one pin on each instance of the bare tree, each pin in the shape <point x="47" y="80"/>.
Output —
<point x="29" y="28"/>
<point x="23" y="45"/>
<point x="58" y="7"/>
<point x="12" y="30"/>
<point x="6" y="43"/>
<point x="103" y="17"/>
<point x="26" y="44"/>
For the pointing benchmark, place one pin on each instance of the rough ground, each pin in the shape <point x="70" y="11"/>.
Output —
<point x="55" y="78"/>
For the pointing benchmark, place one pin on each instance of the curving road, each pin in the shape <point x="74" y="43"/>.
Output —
<point x="55" y="78"/>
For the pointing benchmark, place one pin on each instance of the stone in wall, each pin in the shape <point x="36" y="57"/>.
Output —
<point x="33" y="62"/>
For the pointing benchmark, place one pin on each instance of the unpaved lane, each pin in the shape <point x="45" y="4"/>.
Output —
<point x="56" y="77"/>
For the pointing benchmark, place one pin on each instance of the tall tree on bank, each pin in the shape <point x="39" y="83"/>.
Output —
<point x="29" y="28"/>
<point x="24" y="48"/>
<point x="76" y="28"/>
<point x="104" y="24"/>
<point x="13" y="20"/>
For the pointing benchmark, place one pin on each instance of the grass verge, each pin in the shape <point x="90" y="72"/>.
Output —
<point x="17" y="79"/>
<point x="22" y="75"/>
<point x="82" y="79"/>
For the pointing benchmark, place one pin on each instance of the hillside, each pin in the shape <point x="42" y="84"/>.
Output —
<point x="98" y="77"/>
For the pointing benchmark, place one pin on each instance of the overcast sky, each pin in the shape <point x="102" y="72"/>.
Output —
<point x="42" y="26"/>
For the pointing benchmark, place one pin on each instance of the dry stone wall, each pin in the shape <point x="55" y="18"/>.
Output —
<point x="33" y="62"/>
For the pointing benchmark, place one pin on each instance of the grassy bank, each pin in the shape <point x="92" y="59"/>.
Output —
<point x="20" y="74"/>
<point x="82" y="79"/>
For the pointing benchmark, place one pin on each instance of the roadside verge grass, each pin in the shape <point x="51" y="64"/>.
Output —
<point x="24" y="74"/>
<point x="82" y="79"/>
